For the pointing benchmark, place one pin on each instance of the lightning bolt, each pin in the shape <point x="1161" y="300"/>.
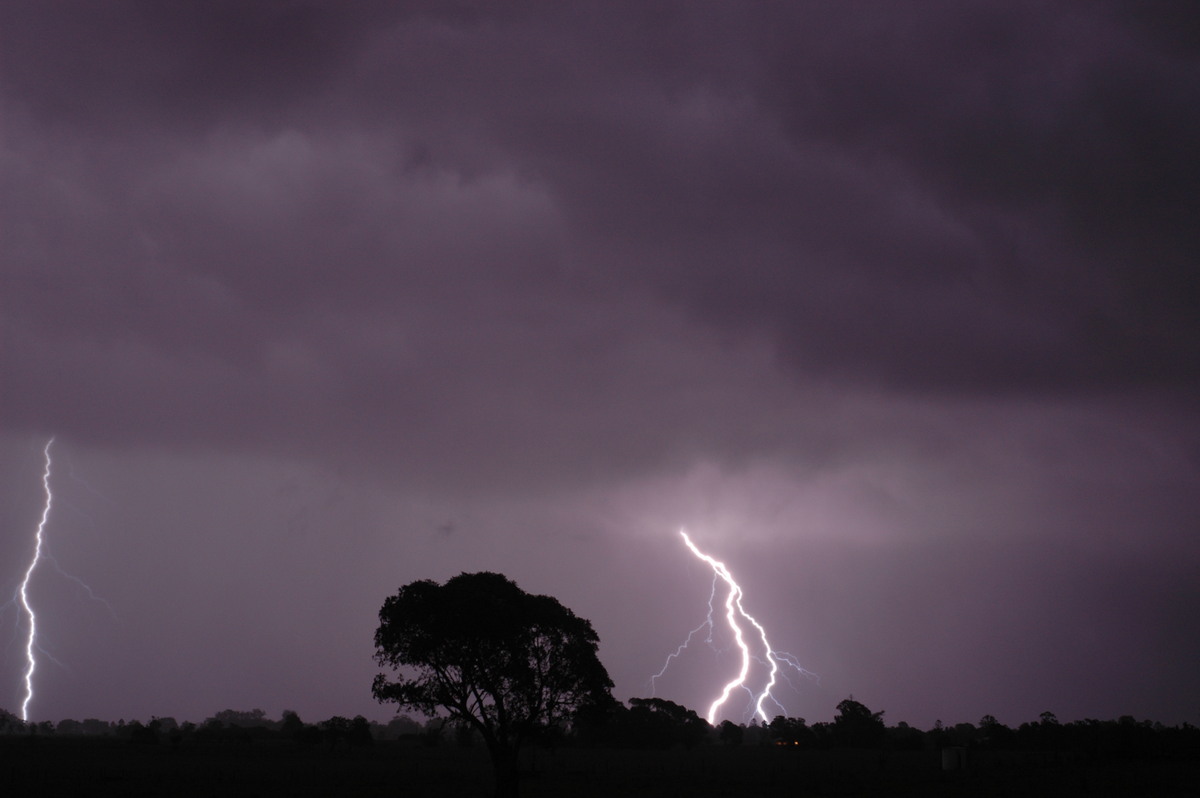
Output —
<point x="740" y="622"/>
<point x="707" y="623"/>
<point x="23" y="591"/>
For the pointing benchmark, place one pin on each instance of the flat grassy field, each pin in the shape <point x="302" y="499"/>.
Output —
<point x="109" y="767"/>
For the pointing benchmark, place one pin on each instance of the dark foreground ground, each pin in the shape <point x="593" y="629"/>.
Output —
<point x="109" y="767"/>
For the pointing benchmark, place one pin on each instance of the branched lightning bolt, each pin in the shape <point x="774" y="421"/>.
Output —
<point x="707" y="623"/>
<point x="88" y="588"/>
<point x="23" y="591"/>
<point x="776" y="662"/>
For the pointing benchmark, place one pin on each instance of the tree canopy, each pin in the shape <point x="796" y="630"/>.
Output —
<point x="856" y="725"/>
<point x="483" y="651"/>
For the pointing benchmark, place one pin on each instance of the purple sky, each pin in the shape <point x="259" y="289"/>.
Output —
<point x="893" y="305"/>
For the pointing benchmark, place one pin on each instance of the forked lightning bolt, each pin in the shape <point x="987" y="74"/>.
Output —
<point x="23" y="591"/>
<point x="707" y="624"/>
<point x="735" y="615"/>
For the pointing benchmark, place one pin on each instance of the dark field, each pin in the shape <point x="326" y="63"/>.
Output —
<point x="110" y="767"/>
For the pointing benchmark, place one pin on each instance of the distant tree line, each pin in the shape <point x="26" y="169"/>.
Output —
<point x="234" y="727"/>
<point x="656" y="723"/>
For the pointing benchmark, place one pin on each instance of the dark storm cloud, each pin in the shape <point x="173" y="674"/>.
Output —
<point x="961" y="198"/>
<point x="1072" y="134"/>
<point x="113" y="67"/>
<point x="972" y="199"/>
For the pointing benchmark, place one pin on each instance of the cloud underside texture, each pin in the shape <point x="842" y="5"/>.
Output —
<point x="403" y="226"/>
<point x="894" y="250"/>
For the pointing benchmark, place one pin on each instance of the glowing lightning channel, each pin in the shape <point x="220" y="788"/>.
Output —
<point x="31" y="641"/>
<point x="734" y="614"/>
<point x="707" y="623"/>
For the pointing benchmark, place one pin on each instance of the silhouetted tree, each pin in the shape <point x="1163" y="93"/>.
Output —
<point x="856" y="726"/>
<point x="140" y="734"/>
<point x="402" y="726"/>
<point x="290" y="724"/>
<point x="659" y="723"/>
<point x="359" y="735"/>
<point x="10" y="723"/>
<point x="597" y="722"/>
<point x="937" y="735"/>
<point x="244" y="719"/>
<point x="903" y="737"/>
<point x="354" y="733"/>
<point x="822" y="734"/>
<point x="489" y="654"/>
<point x="1045" y="734"/>
<point x="790" y="731"/>
<point x="69" y="726"/>
<point x="335" y="730"/>
<point x="166" y="725"/>
<point x="729" y="733"/>
<point x="96" y="726"/>
<point x="308" y="734"/>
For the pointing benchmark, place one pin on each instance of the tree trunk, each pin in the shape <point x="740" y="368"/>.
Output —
<point x="506" y="770"/>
